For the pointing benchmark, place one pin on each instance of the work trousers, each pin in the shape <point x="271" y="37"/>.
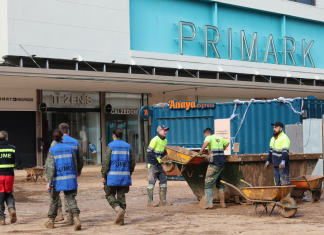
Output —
<point x="6" y="188"/>
<point x="60" y="203"/>
<point x="156" y="172"/>
<point x="214" y="175"/>
<point x="69" y="200"/>
<point x="281" y="176"/>
<point x="119" y="191"/>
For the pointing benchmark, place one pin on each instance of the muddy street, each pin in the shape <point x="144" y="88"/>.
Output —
<point x="185" y="217"/>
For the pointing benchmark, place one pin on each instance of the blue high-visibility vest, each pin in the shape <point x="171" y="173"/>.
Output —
<point x="119" y="170"/>
<point x="65" y="178"/>
<point x="71" y="142"/>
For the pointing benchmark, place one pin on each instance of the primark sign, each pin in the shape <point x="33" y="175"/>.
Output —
<point x="251" y="50"/>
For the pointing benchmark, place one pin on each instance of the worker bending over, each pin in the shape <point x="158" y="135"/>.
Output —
<point x="279" y="155"/>
<point x="215" y="171"/>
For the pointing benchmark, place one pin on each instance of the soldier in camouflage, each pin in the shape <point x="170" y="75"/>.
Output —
<point x="79" y="155"/>
<point x="69" y="195"/>
<point x="111" y="191"/>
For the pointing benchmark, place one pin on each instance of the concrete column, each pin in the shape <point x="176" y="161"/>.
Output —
<point x="39" y="132"/>
<point x="103" y="125"/>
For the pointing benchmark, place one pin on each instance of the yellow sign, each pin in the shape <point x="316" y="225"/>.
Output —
<point x="187" y="105"/>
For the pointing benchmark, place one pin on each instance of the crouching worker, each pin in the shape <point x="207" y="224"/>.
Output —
<point x="61" y="174"/>
<point x="155" y="153"/>
<point x="116" y="170"/>
<point x="215" y="171"/>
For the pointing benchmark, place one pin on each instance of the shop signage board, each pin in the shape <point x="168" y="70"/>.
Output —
<point x="250" y="50"/>
<point x="125" y="111"/>
<point x="18" y="100"/>
<point x="187" y="105"/>
<point x="71" y="99"/>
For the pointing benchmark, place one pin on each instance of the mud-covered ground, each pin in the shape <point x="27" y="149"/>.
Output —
<point x="184" y="217"/>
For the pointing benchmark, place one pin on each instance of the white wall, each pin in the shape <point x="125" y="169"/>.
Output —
<point x="320" y="3"/>
<point x="97" y="30"/>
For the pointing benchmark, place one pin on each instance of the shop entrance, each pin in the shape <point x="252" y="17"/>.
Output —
<point x="131" y="130"/>
<point x="84" y="127"/>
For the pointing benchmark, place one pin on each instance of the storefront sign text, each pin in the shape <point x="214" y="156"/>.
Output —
<point x="71" y="99"/>
<point x="249" y="51"/>
<point x="16" y="99"/>
<point x="187" y="105"/>
<point x="125" y="111"/>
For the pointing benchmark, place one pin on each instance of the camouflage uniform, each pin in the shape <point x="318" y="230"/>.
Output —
<point x="70" y="202"/>
<point x="111" y="191"/>
<point x="80" y="166"/>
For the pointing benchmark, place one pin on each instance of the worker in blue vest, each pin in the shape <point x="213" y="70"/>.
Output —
<point x="61" y="175"/>
<point x="64" y="127"/>
<point x="279" y="155"/>
<point x="116" y="171"/>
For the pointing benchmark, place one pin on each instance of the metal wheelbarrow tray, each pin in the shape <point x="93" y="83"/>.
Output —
<point x="181" y="158"/>
<point x="266" y="195"/>
<point x="312" y="184"/>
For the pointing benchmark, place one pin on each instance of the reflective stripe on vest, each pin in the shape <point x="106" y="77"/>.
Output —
<point x="7" y="150"/>
<point x="7" y="165"/>
<point x="119" y="169"/>
<point x="118" y="173"/>
<point x="71" y="142"/>
<point x="65" y="175"/>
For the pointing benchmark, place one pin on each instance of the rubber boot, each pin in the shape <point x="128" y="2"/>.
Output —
<point x="2" y="216"/>
<point x="150" y="202"/>
<point x="120" y="215"/>
<point x="163" y="201"/>
<point x="13" y="216"/>
<point x="59" y="216"/>
<point x="222" y="198"/>
<point x="206" y="201"/>
<point x="69" y="218"/>
<point x="77" y="222"/>
<point x="50" y="223"/>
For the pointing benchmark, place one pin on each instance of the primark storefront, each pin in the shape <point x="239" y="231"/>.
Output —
<point x="91" y="125"/>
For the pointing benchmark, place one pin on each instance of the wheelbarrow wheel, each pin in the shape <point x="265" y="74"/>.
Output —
<point x="168" y="167"/>
<point x="316" y="195"/>
<point x="286" y="212"/>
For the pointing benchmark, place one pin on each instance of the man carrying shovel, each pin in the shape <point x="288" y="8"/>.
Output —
<point x="216" y="146"/>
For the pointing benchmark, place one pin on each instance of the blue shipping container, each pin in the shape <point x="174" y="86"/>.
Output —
<point x="186" y="127"/>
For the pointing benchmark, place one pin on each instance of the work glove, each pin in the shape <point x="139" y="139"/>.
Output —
<point x="200" y="152"/>
<point x="148" y="166"/>
<point x="282" y="164"/>
<point x="159" y="160"/>
<point x="266" y="165"/>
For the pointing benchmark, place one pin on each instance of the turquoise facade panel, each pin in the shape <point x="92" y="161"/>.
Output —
<point x="154" y="28"/>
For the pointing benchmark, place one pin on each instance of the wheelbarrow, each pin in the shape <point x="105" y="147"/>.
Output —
<point x="181" y="158"/>
<point x="312" y="184"/>
<point x="266" y="195"/>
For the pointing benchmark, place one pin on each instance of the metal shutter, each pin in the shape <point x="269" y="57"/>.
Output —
<point x="22" y="134"/>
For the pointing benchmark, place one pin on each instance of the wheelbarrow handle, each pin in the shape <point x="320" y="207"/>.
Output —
<point x="246" y="183"/>
<point x="231" y="185"/>
<point x="307" y="182"/>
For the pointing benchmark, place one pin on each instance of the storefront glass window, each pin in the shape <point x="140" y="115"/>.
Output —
<point x="125" y="114"/>
<point x="84" y="127"/>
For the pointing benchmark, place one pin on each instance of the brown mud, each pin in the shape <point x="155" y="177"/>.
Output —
<point x="184" y="217"/>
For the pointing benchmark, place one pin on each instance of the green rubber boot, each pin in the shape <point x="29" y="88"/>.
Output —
<point x="163" y="201"/>
<point x="150" y="202"/>
<point x="206" y="201"/>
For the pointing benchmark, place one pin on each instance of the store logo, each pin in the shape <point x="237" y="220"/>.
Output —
<point x="71" y="99"/>
<point x="16" y="99"/>
<point x="249" y="51"/>
<point x="187" y="105"/>
<point x="125" y="111"/>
